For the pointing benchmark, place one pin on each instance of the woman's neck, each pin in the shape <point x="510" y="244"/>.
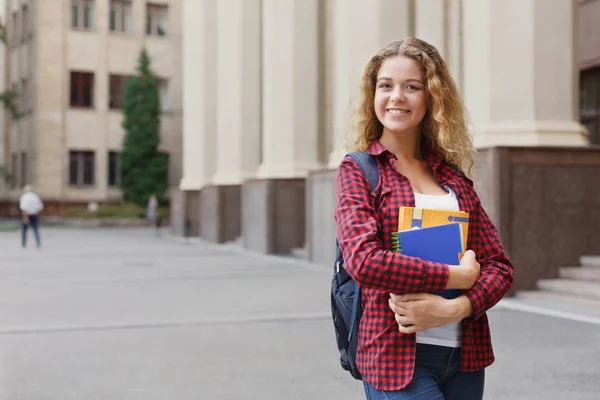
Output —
<point x="406" y="146"/>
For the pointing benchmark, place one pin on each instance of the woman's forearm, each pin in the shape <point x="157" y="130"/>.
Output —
<point x="461" y="307"/>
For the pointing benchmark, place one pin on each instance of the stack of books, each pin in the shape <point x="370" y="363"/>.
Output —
<point x="433" y="235"/>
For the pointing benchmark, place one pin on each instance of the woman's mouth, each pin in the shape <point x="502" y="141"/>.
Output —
<point x="397" y="111"/>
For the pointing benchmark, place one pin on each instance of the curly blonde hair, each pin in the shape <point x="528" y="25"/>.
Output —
<point x="444" y="124"/>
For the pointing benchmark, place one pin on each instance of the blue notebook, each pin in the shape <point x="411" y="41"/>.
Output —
<point x="442" y="244"/>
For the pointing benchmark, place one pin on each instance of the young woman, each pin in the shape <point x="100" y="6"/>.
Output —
<point x="414" y="344"/>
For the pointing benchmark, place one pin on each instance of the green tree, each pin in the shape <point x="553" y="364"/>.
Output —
<point x="143" y="168"/>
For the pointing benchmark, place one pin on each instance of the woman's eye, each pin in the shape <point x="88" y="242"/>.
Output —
<point x="412" y="87"/>
<point x="385" y="85"/>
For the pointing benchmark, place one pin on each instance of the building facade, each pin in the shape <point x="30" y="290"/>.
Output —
<point x="67" y="60"/>
<point x="267" y="89"/>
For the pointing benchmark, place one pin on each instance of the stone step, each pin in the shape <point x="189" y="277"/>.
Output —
<point x="558" y="299"/>
<point x="590" y="261"/>
<point x="580" y="273"/>
<point x="589" y="290"/>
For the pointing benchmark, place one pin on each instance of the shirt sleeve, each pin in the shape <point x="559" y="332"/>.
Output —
<point x="364" y="258"/>
<point x="496" y="275"/>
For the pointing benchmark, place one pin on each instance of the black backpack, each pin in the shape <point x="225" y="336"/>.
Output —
<point x="346" y="309"/>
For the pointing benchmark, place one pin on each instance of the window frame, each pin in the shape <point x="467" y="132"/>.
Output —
<point x="78" y="78"/>
<point x="82" y="159"/>
<point x="78" y="15"/>
<point x="163" y="94"/>
<point x="153" y="18"/>
<point x="590" y="79"/>
<point x="116" y="157"/>
<point x="114" y="104"/>
<point x="25" y="33"/>
<point x="120" y="25"/>
<point x="23" y="169"/>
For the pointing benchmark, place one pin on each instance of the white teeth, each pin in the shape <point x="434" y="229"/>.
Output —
<point x="397" y="112"/>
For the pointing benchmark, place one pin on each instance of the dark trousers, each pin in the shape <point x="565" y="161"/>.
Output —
<point x="436" y="377"/>
<point x="33" y="221"/>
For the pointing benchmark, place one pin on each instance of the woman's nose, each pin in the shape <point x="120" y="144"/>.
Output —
<point x="397" y="95"/>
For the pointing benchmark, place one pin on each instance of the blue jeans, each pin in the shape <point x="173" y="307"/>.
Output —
<point x="436" y="377"/>
<point x="33" y="221"/>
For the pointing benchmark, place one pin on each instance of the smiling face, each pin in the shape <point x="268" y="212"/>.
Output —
<point x="400" y="97"/>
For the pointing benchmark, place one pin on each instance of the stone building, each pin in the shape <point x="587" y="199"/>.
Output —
<point x="267" y="87"/>
<point x="68" y="59"/>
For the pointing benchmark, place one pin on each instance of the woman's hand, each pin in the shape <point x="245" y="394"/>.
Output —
<point x="465" y="275"/>
<point x="419" y="311"/>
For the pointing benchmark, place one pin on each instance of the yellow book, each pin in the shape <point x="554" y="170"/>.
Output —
<point x="412" y="217"/>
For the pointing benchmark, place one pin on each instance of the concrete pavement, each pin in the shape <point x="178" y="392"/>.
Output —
<point x="122" y="314"/>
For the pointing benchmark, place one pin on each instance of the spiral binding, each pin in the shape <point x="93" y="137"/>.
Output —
<point x="396" y="244"/>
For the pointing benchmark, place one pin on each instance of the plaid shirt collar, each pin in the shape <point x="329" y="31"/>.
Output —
<point x="434" y="158"/>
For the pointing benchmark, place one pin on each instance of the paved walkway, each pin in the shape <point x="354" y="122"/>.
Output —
<point x="122" y="314"/>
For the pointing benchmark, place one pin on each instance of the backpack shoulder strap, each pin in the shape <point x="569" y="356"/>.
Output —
<point x="461" y="173"/>
<point x="368" y="165"/>
<point x="456" y="168"/>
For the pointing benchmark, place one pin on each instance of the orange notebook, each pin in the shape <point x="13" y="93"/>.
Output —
<point x="412" y="217"/>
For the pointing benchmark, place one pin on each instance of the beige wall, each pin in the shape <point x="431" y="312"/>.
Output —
<point x="19" y="137"/>
<point x="59" y="128"/>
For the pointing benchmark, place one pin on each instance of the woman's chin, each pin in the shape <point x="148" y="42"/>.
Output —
<point x="397" y="128"/>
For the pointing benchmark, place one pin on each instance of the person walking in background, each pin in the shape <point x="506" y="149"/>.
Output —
<point x="152" y="209"/>
<point x="31" y="205"/>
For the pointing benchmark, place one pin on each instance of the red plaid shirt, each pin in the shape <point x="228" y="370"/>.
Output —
<point x="365" y="221"/>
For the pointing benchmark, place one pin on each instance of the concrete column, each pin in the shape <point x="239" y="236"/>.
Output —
<point x="200" y="110"/>
<point x="238" y="117"/>
<point x="439" y="22"/>
<point x="431" y="23"/>
<point x="520" y="72"/>
<point x="239" y="106"/>
<point x="290" y="88"/>
<point x="360" y="29"/>
<point x="453" y="52"/>
<point x="273" y="204"/>
<point x="200" y="84"/>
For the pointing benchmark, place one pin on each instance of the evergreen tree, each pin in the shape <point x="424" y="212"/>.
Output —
<point x="143" y="168"/>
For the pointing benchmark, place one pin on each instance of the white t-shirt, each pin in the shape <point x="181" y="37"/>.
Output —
<point x="447" y="335"/>
<point x="31" y="203"/>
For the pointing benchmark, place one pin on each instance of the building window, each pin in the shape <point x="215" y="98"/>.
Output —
<point x="116" y="91"/>
<point x="120" y="16"/>
<point x="81" y="168"/>
<point x="163" y="93"/>
<point x="23" y="176"/>
<point x="157" y="18"/>
<point x="24" y="96"/>
<point x="15" y="28"/>
<point x="82" y="14"/>
<point x="114" y="172"/>
<point x="13" y="170"/>
<point x="82" y="89"/>
<point x="18" y="100"/>
<point x="165" y="155"/>
<point x="590" y="102"/>
<point x="24" y="23"/>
